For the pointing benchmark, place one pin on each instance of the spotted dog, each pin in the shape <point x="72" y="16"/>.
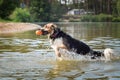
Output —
<point x="61" y="40"/>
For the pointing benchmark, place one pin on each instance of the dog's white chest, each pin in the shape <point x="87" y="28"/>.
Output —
<point x="56" y="43"/>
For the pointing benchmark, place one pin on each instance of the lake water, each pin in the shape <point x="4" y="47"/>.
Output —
<point x="25" y="56"/>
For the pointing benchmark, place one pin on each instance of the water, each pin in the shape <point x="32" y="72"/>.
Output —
<point x="25" y="56"/>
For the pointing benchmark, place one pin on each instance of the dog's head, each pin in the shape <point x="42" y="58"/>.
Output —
<point x="50" y="29"/>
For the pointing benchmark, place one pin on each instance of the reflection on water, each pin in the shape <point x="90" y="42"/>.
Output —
<point x="25" y="56"/>
<point x="92" y="30"/>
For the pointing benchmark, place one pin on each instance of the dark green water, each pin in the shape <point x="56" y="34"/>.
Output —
<point x="25" y="56"/>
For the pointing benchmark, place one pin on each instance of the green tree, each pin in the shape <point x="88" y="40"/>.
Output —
<point x="1" y="1"/>
<point x="40" y="10"/>
<point x="118" y="7"/>
<point x="20" y="15"/>
<point x="57" y="10"/>
<point x="114" y="7"/>
<point x="7" y="7"/>
<point x="101" y="6"/>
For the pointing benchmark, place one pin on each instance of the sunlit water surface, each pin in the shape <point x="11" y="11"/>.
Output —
<point x="25" y="56"/>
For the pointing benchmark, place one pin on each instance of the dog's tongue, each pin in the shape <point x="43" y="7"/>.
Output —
<point x="38" y="32"/>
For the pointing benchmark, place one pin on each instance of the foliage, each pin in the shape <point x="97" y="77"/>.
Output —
<point x="6" y="7"/>
<point x="118" y="7"/>
<point x="1" y="1"/>
<point x="114" y="8"/>
<point x="53" y="10"/>
<point x="20" y="15"/>
<point x="104" y="18"/>
<point x="42" y="10"/>
<point x="56" y="11"/>
<point x="88" y="18"/>
<point x="100" y="6"/>
<point x="97" y="18"/>
<point x="116" y="19"/>
<point x="3" y="20"/>
<point x="39" y="10"/>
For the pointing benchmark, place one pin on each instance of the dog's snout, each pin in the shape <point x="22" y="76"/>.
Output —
<point x="44" y="32"/>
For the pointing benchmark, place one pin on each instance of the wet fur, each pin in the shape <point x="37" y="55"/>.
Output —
<point x="61" y="40"/>
<point x="72" y="44"/>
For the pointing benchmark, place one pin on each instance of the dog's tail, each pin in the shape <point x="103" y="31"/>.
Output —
<point x="108" y="54"/>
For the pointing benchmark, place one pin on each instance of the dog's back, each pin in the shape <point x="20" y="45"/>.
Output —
<point x="73" y="44"/>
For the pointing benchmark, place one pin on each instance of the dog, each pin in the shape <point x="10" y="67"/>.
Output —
<point x="61" y="40"/>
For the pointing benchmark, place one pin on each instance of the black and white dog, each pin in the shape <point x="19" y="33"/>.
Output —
<point x="61" y="40"/>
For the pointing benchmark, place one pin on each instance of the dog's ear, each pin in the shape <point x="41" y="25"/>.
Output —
<point x="55" y="28"/>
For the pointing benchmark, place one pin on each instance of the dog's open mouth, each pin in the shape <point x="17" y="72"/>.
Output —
<point x="44" y="32"/>
<point x="41" y="32"/>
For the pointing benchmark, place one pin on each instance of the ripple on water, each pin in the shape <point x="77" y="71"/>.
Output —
<point x="28" y="57"/>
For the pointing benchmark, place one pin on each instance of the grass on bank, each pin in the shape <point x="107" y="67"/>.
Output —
<point x="3" y="20"/>
<point x="100" y="18"/>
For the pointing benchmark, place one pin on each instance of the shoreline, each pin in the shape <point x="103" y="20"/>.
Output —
<point x="10" y="27"/>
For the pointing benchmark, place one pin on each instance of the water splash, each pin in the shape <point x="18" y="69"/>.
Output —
<point x="71" y="55"/>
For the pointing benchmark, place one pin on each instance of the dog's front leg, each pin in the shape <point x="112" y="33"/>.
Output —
<point x="58" y="54"/>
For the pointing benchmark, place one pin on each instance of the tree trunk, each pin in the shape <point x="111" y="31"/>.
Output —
<point x="109" y="6"/>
